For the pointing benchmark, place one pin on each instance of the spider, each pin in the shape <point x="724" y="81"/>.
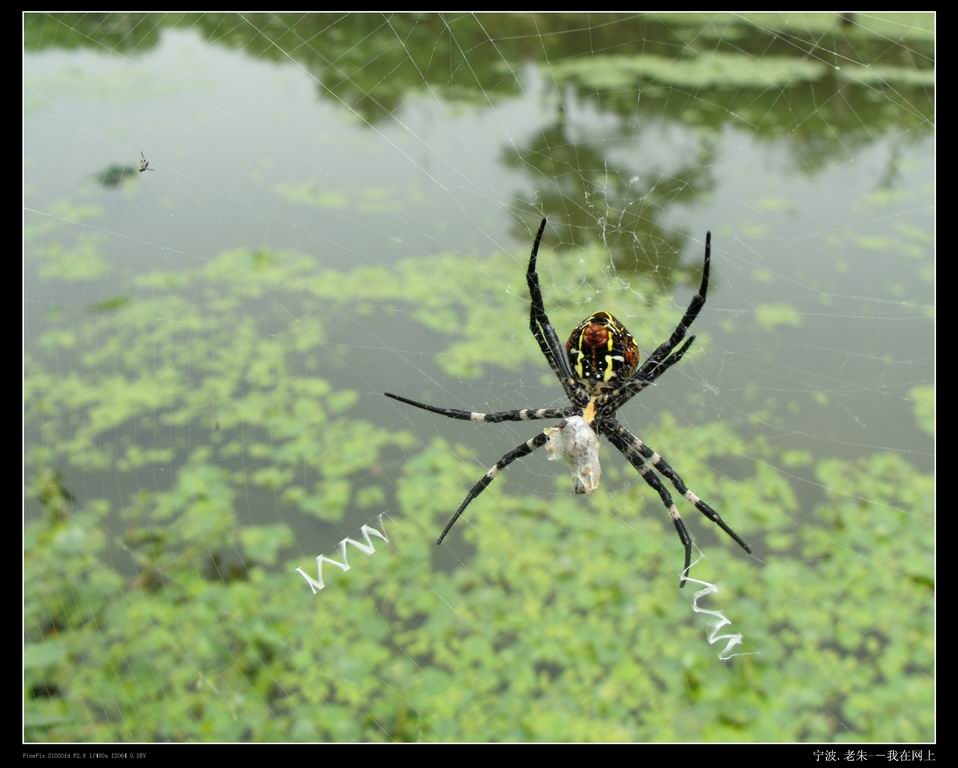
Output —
<point x="599" y="371"/>
<point x="144" y="163"/>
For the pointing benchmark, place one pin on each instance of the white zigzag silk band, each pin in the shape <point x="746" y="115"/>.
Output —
<point x="367" y="549"/>
<point x="721" y="620"/>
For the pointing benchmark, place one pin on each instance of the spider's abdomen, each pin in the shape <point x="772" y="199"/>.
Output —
<point x="602" y="352"/>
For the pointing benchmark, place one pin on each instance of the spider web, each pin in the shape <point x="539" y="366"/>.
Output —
<point x="343" y="205"/>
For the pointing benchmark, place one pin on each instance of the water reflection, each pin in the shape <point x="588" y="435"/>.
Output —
<point x="213" y="400"/>
<point x="589" y="194"/>
<point x="822" y="86"/>
<point x="115" y="175"/>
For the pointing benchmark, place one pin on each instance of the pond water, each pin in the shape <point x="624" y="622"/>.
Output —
<point x="336" y="206"/>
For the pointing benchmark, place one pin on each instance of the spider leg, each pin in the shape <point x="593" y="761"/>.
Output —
<point x="695" y="306"/>
<point x="493" y="418"/>
<point x="622" y="444"/>
<point x="540" y="326"/>
<point x="517" y="453"/>
<point x="663" y="467"/>
<point x="668" y="362"/>
<point x="660" y="360"/>
<point x="640" y="381"/>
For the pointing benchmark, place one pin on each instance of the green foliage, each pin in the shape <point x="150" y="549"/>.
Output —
<point x="702" y="71"/>
<point x="263" y="543"/>
<point x="185" y="432"/>
<point x="309" y="194"/>
<point x="79" y="263"/>
<point x="110" y="305"/>
<point x="771" y="316"/>
<point x="565" y="623"/>
<point x="924" y="399"/>
<point x="890" y="76"/>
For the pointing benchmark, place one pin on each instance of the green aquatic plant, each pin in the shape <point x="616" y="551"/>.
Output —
<point x="561" y="622"/>
<point x="115" y="175"/>
<point x="202" y="422"/>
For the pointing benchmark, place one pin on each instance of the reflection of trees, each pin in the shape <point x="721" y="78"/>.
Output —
<point x="116" y="32"/>
<point x="373" y="62"/>
<point x="588" y="195"/>
<point x="818" y="121"/>
<point x="115" y="175"/>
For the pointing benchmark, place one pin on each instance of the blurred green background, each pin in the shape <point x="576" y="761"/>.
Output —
<point x="343" y="205"/>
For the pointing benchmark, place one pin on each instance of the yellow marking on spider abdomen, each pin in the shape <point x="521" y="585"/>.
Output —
<point x="608" y="364"/>
<point x="578" y="364"/>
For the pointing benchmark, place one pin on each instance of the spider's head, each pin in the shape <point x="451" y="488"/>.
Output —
<point x="602" y="352"/>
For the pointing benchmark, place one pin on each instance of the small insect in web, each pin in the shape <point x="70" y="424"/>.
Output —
<point x="599" y="370"/>
<point x="144" y="163"/>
